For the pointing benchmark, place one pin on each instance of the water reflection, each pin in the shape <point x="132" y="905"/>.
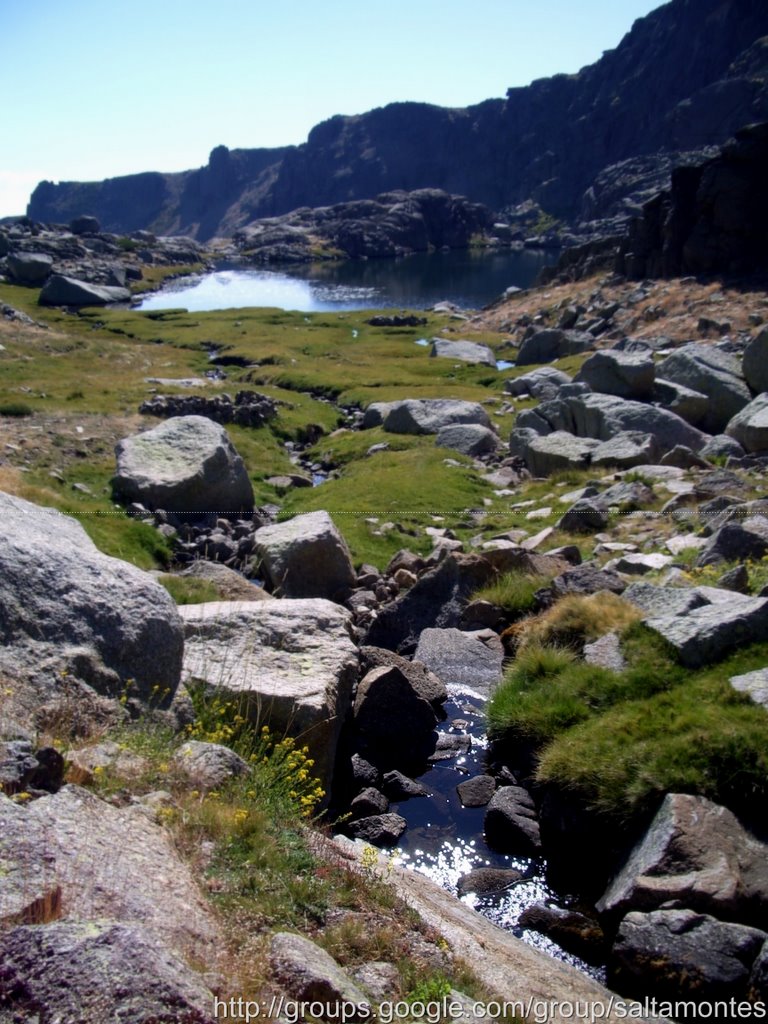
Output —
<point x="467" y="278"/>
<point x="445" y="840"/>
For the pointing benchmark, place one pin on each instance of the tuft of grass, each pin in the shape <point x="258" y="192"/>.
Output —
<point x="188" y="590"/>
<point x="514" y="592"/>
<point x="575" y="620"/>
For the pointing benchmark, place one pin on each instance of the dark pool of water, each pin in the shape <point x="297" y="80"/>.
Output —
<point x="445" y="840"/>
<point x="469" y="278"/>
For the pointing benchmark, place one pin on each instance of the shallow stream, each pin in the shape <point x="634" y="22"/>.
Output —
<point x="445" y="840"/>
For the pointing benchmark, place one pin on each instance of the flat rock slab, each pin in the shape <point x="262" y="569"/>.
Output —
<point x="293" y="661"/>
<point x="464" y="661"/>
<point x="95" y="971"/>
<point x="306" y="557"/>
<point x="605" y="652"/>
<point x="464" y="351"/>
<point x="185" y="465"/>
<point x="754" y="684"/>
<point x="706" y="634"/>
<point x="664" y="601"/>
<point x="507" y="966"/>
<point x="105" y="862"/>
<point x="68" y="291"/>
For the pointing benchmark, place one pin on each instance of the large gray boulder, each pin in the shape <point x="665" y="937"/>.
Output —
<point x="66" y="291"/>
<point x="714" y="373"/>
<point x="293" y="664"/>
<point x="305" y="557"/>
<point x="697" y="852"/>
<point x="679" y="954"/>
<point x="741" y="539"/>
<point x="551" y="453"/>
<point x="185" y="465"/>
<point x="90" y="972"/>
<point x="31" y="268"/>
<point x="430" y="415"/>
<point x="74" y="857"/>
<point x="543" y="383"/>
<point x="690" y="405"/>
<point x="750" y="426"/>
<point x="552" y="343"/>
<point x="626" y="374"/>
<point x="511" y="824"/>
<point x="627" y="449"/>
<point x="464" y="351"/>
<point x="706" y="634"/>
<point x="464" y="660"/>
<point x="754" y="364"/>
<point x="603" y="416"/>
<point x="69" y="612"/>
<point x="467" y="438"/>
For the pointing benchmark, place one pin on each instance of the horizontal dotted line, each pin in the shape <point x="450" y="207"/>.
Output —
<point x="514" y="513"/>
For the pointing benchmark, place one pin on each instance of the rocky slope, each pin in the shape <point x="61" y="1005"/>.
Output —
<point x="685" y="77"/>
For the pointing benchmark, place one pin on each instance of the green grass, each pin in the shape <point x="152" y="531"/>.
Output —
<point x="190" y="590"/>
<point x="403" y="487"/>
<point x="618" y="741"/>
<point x="513" y="592"/>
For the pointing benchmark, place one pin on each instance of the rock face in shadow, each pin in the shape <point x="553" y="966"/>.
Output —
<point x="657" y="92"/>
<point x="713" y="219"/>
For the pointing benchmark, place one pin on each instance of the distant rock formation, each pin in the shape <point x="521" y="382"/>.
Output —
<point x="685" y="77"/>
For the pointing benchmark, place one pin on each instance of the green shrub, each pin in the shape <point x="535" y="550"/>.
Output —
<point x="15" y="409"/>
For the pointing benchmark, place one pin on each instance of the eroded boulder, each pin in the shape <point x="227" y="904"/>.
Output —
<point x="89" y="972"/>
<point x="185" y="465"/>
<point x="430" y="415"/>
<point x="69" y="612"/>
<point x="750" y="425"/>
<point x="682" y="954"/>
<point x="464" y="351"/>
<point x="59" y="290"/>
<point x="463" y="660"/>
<point x="292" y="662"/>
<point x="626" y="374"/>
<point x="712" y="372"/>
<point x="306" y="557"/>
<point x="698" y="853"/>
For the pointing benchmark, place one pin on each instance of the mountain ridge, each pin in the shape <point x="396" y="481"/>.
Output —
<point x="685" y="76"/>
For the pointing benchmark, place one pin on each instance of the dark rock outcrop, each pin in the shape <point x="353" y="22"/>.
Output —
<point x="686" y="76"/>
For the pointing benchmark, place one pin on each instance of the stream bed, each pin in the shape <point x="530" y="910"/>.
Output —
<point x="445" y="840"/>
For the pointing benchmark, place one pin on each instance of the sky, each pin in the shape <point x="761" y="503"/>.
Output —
<point x="93" y="89"/>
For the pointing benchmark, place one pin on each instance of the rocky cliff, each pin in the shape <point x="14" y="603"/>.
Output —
<point x="686" y="76"/>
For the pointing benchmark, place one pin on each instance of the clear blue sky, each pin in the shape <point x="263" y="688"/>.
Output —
<point x="98" y="88"/>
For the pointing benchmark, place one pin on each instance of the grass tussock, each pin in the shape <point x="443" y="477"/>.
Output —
<point x="575" y="620"/>
<point x="619" y="740"/>
<point x="513" y="592"/>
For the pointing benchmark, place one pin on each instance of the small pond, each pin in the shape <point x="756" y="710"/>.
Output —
<point x="469" y="278"/>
